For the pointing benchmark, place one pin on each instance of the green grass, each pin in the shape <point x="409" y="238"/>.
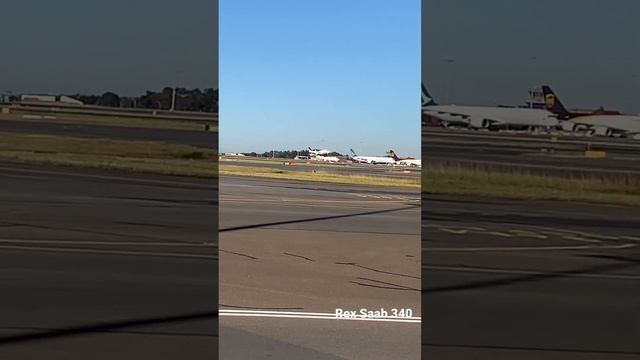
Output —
<point x="318" y="176"/>
<point x="138" y="156"/>
<point x="524" y="185"/>
<point x="122" y="121"/>
<point x="186" y="160"/>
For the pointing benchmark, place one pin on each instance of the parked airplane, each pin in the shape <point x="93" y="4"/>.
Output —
<point x="322" y="155"/>
<point x="372" y="159"/>
<point x="326" y="158"/>
<point x="487" y="117"/>
<point x="599" y="122"/>
<point x="405" y="161"/>
<point x="320" y="152"/>
<point x="553" y="104"/>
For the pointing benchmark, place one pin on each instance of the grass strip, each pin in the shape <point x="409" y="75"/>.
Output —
<point x="318" y="176"/>
<point x="137" y="156"/>
<point x="522" y="185"/>
<point x="122" y="121"/>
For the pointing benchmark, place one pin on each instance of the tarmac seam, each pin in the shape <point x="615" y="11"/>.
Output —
<point x="526" y="272"/>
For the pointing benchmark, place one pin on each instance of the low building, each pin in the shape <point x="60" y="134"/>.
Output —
<point x="50" y="99"/>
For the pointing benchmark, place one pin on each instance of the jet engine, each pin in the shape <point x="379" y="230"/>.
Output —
<point x="478" y="123"/>
<point x="601" y="131"/>
<point x="569" y="126"/>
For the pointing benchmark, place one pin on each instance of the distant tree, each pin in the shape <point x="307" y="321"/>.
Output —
<point x="205" y="100"/>
<point x="109" y="99"/>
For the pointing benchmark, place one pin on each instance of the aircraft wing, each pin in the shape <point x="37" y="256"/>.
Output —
<point x="473" y="120"/>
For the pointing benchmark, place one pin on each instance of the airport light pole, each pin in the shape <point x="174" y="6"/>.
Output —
<point x="173" y="99"/>
<point x="173" y="94"/>
<point x="450" y="62"/>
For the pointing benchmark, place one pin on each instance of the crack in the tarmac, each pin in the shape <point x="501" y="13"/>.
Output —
<point x="628" y="263"/>
<point x="391" y="286"/>
<point x="107" y="327"/>
<point x="300" y="256"/>
<point x="239" y="254"/>
<point x="376" y="270"/>
<point x="286" y="222"/>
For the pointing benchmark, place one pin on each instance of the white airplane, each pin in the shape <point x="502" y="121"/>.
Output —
<point x="373" y="159"/>
<point x="488" y="117"/>
<point x="319" y="152"/>
<point x="322" y="155"/>
<point x="405" y="161"/>
<point x="598" y="122"/>
<point x="609" y="125"/>
<point x="326" y="158"/>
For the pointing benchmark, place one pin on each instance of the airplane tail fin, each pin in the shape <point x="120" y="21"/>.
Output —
<point x="427" y="100"/>
<point x="553" y="103"/>
<point x="353" y="152"/>
<point x="393" y="155"/>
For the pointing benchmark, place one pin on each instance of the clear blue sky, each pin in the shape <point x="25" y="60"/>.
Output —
<point x="333" y="74"/>
<point x="123" y="46"/>
<point x="587" y="50"/>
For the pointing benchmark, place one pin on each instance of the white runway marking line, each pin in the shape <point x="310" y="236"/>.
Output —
<point x="632" y="238"/>
<point x="311" y="315"/>
<point x="524" y="233"/>
<point x="501" y="234"/>
<point x="453" y="231"/>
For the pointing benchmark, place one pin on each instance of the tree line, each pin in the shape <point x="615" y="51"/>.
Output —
<point x="205" y="100"/>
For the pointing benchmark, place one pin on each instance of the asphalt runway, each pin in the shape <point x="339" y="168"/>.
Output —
<point x="529" y="280"/>
<point x="201" y="138"/>
<point x="291" y="253"/>
<point x="105" y="265"/>
<point x="565" y="155"/>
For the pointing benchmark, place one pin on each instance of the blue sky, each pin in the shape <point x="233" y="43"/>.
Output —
<point x="118" y="45"/>
<point x="587" y="50"/>
<point x="332" y="74"/>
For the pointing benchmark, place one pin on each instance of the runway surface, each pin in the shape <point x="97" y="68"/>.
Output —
<point x="300" y="251"/>
<point x="189" y="137"/>
<point x="529" y="280"/>
<point x="106" y="265"/>
<point x="564" y="155"/>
